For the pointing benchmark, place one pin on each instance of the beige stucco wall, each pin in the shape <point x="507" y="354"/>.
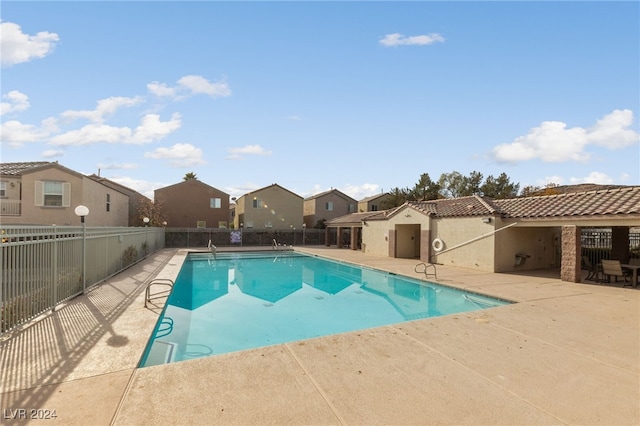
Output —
<point x="281" y="209"/>
<point x="460" y="231"/>
<point x="407" y="224"/>
<point x="541" y="244"/>
<point x="94" y="196"/>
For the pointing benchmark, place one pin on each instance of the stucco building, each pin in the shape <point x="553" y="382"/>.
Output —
<point x="495" y="235"/>
<point x="193" y="204"/>
<point x="272" y="207"/>
<point x="47" y="193"/>
<point x="326" y="206"/>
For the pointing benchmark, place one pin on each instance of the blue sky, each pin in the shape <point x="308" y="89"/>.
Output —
<point x="358" y="96"/>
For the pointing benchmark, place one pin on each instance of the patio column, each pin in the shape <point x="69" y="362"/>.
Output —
<point x="425" y="245"/>
<point x="339" y="237"/>
<point x="620" y="243"/>
<point x="570" y="259"/>
<point x="354" y="238"/>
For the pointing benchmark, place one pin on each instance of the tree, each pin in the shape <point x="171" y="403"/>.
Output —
<point x="425" y="189"/>
<point x="500" y="187"/>
<point x="535" y="191"/>
<point x="473" y="183"/>
<point x="189" y="176"/>
<point x="397" y="197"/>
<point x="152" y="210"/>
<point x="452" y="185"/>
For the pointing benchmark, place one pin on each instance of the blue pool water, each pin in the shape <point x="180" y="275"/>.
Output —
<point x="241" y="301"/>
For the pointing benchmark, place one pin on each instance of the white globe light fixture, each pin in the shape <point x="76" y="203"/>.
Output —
<point x="81" y="211"/>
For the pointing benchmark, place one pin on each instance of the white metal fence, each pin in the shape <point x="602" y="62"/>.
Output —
<point x="45" y="265"/>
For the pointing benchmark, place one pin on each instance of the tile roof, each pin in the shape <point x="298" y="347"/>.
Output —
<point x="335" y="191"/>
<point x="453" y="207"/>
<point x="608" y="202"/>
<point x="356" y="218"/>
<point x="17" y="169"/>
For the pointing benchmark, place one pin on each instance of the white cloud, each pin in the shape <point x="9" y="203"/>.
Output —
<point x="190" y="85"/>
<point x="198" y="84"/>
<point x="117" y="166"/>
<point x="15" y="133"/>
<point x="238" y="153"/>
<point x="17" y="101"/>
<point x="144" y="187"/>
<point x="161" y="89"/>
<point x="52" y="153"/>
<point x="358" y="192"/>
<point x="17" y="47"/>
<point x="104" y="107"/>
<point x="180" y="155"/>
<point x="293" y="118"/>
<point x="396" y="39"/>
<point x="613" y="132"/>
<point x="593" y="177"/>
<point x="150" y="129"/>
<point x="552" y="141"/>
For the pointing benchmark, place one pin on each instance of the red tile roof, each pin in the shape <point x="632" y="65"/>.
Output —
<point x="592" y="203"/>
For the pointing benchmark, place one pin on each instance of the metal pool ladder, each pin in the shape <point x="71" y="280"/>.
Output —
<point x="148" y="297"/>
<point x="423" y="268"/>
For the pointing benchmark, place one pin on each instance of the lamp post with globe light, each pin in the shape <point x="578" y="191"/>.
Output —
<point x="82" y="211"/>
<point x="146" y="238"/>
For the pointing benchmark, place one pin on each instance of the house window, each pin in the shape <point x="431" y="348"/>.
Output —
<point x="374" y="207"/>
<point x="215" y="203"/>
<point x="352" y="208"/>
<point x="257" y="203"/>
<point x="201" y="224"/>
<point x="53" y="194"/>
<point x="268" y="224"/>
<point x="329" y="206"/>
<point x="223" y="224"/>
<point x="108" y="202"/>
<point x="3" y="189"/>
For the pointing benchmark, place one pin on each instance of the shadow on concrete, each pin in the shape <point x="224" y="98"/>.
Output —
<point x="45" y="352"/>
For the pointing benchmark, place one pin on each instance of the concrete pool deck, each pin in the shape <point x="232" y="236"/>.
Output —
<point x="564" y="354"/>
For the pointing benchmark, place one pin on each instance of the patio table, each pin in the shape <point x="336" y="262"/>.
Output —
<point x="634" y="270"/>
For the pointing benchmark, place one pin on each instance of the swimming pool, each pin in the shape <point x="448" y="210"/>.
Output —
<point x="248" y="300"/>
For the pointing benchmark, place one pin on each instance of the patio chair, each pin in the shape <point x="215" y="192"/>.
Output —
<point x="592" y="274"/>
<point x="612" y="268"/>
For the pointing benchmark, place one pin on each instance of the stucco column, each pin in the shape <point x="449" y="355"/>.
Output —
<point x="425" y="246"/>
<point x="570" y="261"/>
<point x="354" y="238"/>
<point x="339" y="237"/>
<point x="392" y="243"/>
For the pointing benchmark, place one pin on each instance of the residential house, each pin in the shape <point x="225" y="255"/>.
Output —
<point x="272" y="207"/>
<point x="193" y="204"/>
<point x="373" y="203"/>
<point x="47" y="193"/>
<point x="137" y="201"/>
<point x="506" y="235"/>
<point x="326" y="206"/>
